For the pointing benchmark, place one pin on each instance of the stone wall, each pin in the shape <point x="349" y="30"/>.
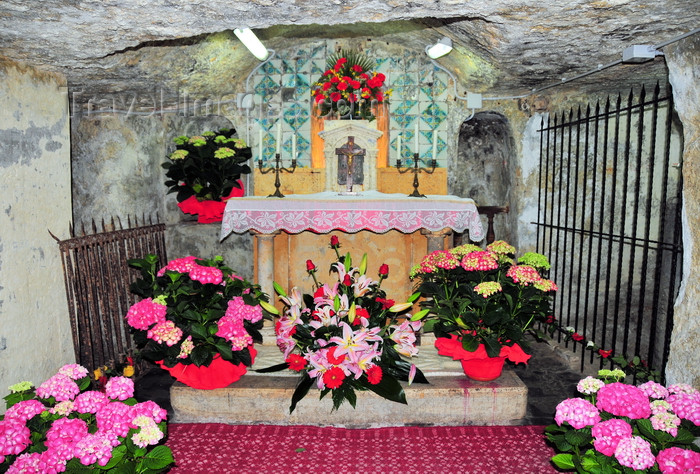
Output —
<point x="35" y="337"/>
<point x="684" y="69"/>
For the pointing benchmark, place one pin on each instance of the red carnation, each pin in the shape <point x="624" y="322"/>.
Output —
<point x="335" y="243"/>
<point x="310" y="267"/>
<point x="335" y="79"/>
<point x="342" y="86"/>
<point x="374" y="374"/>
<point x="360" y="313"/>
<point x="296" y="362"/>
<point x="357" y="68"/>
<point x="320" y="97"/>
<point x="327" y="85"/>
<point x="604" y="354"/>
<point x="577" y="337"/>
<point x="384" y="270"/>
<point x="355" y="84"/>
<point x="347" y="281"/>
<point x="381" y="77"/>
<point x="364" y="76"/>
<point x="336" y="96"/>
<point x="333" y="377"/>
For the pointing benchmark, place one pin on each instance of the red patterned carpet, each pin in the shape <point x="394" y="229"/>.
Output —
<point x="218" y="448"/>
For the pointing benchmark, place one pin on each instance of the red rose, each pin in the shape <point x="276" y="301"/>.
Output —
<point x="550" y="319"/>
<point x="577" y="337"/>
<point x="347" y="281"/>
<point x="374" y="374"/>
<point x="296" y="362"/>
<point x="333" y="377"/>
<point x="386" y="304"/>
<point x="319" y="293"/>
<point x="384" y="270"/>
<point x="335" y="243"/>
<point x="310" y="267"/>
<point x="604" y="354"/>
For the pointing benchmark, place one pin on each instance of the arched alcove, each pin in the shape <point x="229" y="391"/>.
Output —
<point x="482" y="168"/>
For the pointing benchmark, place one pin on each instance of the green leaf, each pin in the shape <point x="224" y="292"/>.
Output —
<point x="389" y="388"/>
<point x="158" y="458"/>
<point x="578" y="437"/>
<point x="117" y="455"/>
<point x="302" y="389"/>
<point x="564" y="461"/>
<point x="413" y="297"/>
<point x="273" y="368"/>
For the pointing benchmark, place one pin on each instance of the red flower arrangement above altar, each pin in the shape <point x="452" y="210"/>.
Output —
<point x="348" y="336"/>
<point x="348" y="89"/>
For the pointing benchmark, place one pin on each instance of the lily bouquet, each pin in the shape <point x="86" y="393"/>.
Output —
<point x="62" y="425"/>
<point x="348" y="336"/>
<point x="614" y="427"/>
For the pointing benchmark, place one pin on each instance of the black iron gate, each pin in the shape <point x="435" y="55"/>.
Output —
<point x="610" y="221"/>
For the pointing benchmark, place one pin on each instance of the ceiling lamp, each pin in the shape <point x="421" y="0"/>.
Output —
<point x="440" y="48"/>
<point x="252" y="42"/>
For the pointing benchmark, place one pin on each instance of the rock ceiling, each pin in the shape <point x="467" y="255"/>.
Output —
<point x="106" y="47"/>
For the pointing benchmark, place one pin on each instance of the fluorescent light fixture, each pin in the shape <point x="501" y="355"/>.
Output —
<point x="440" y="48"/>
<point x="252" y="42"/>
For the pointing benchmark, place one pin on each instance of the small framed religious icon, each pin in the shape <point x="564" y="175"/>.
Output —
<point x="351" y="159"/>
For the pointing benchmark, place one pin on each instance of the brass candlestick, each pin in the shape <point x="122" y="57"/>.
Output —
<point x="416" y="170"/>
<point x="277" y="169"/>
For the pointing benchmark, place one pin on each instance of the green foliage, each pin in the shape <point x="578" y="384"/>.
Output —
<point x="207" y="166"/>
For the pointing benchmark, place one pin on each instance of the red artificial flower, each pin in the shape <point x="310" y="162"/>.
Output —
<point x="329" y="72"/>
<point x="364" y="76"/>
<point x="342" y="86"/>
<point x="320" y="97"/>
<point x="310" y="267"/>
<point x="366" y="92"/>
<point x="332" y="358"/>
<point x="296" y="362"/>
<point x="335" y="243"/>
<point x="335" y="79"/>
<point x="604" y="354"/>
<point x="380" y="77"/>
<point x="374" y="374"/>
<point x="355" y="84"/>
<point x="386" y="304"/>
<point x="327" y="85"/>
<point x="347" y="281"/>
<point x="550" y="319"/>
<point x="352" y="98"/>
<point x="379" y="96"/>
<point x="384" y="270"/>
<point x="336" y="96"/>
<point x="357" y="68"/>
<point x="577" y="337"/>
<point x="333" y="377"/>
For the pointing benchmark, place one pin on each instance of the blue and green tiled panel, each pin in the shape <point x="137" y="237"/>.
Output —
<point x="282" y="89"/>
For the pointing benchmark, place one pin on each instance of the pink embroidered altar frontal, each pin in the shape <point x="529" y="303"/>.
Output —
<point x="371" y="210"/>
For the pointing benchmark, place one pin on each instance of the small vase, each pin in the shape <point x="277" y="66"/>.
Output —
<point x="219" y="374"/>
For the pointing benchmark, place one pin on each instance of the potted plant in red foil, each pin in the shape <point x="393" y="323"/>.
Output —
<point x="481" y="303"/>
<point x="205" y="171"/>
<point x="348" y="336"/>
<point x="197" y="319"/>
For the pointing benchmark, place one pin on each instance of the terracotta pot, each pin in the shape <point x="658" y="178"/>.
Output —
<point x="219" y="374"/>
<point x="483" y="369"/>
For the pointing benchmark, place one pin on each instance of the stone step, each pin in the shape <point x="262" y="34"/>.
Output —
<point x="449" y="399"/>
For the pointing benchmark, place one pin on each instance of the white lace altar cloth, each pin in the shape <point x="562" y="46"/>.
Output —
<point x="370" y="210"/>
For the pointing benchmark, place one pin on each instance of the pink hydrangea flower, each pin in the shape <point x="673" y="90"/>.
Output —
<point x="95" y="447"/>
<point x="589" y="385"/>
<point x="681" y="388"/>
<point x="148" y="434"/>
<point x="660" y="406"/>
<point x="667" y="422"/>
<point x="180" y="265"/>
<point x="61" y="387"/>
<point x="635" y="452"/>
<point x="500" y="246"/>
<point x="90" y="402"/>
<point x="654" y="390"/>
<point x="25" y="410"/>
<point x="686" y="405"/>
<point x="620" y="399"/>
<point x="150" y="409"/>
<point x="165" y="332"/>
<point x="231" y="328"/>
<point x="577" y="412"/>
<point x="74" y="371"/>
<point x="238" y="309"/>
<point x="186" y="348"/>
<point x="206" y="275"/>
<point x="608" y="434"/>
<point x="145" y="314"/>
<point x="47" y="462"/>
<point x="523" y="274"/>
<point x="545" y="285"/>
<point x="677" y="460"/>
<point x="444" y="259"/>
<point x="14" y="436"/>
<point x="115" y="417"/>
<point x="64" y="434"/>
<point x="487" y="288"/>
<point x="119" y="388"/>
<point x="63" y="408"/>
<point x="479" y="261"/>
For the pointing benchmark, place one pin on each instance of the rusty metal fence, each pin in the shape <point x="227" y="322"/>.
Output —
<point x="97" y="279"/>
<point x="610" y="221"/>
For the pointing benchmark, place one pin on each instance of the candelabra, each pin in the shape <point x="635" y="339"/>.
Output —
<point x="416" y="169"/>
<point x="277" y="169"/>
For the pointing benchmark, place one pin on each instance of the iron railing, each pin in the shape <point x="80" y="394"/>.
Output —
<point x="610" y="221"/>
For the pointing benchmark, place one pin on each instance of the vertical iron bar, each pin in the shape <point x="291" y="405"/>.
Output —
<point x="557" y="251"/>
<point x="565" y="223"/>
<point x="540" y="208"/>
<point x="594" y="167"/>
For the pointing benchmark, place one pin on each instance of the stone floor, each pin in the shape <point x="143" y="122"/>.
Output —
<point x="548" y="377"/>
